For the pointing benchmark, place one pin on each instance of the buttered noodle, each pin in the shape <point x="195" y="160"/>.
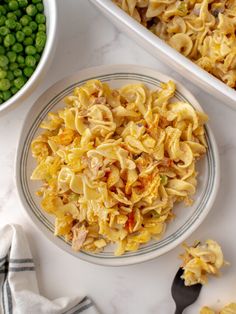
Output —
<point x="228" y="309"/>
<point x="201" y="261"/>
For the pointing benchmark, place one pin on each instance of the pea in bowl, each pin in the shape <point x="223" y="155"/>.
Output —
<point x="27" y="43"/>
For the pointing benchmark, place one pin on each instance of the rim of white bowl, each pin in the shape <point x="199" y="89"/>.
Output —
<point x="131" y="260"/>
<point x="30" y="84"/>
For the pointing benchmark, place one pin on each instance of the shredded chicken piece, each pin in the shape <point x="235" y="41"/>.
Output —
<point x="79" y="236"/>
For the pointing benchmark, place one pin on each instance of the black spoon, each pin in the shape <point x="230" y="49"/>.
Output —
<point x="183" y="295"/>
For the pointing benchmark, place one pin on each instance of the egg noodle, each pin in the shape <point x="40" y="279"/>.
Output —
<point x="228" y="309"/>
<point x="200" y="261"/>
<point x="202" y="30"/>
<point x="114" y="162"/>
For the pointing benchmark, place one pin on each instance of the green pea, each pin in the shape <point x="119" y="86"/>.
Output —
<point x="4" y="30"/>
<point x="10" y="75"/>
<point x="18" y="26"/>
<point x="28" y="41"/>
<point x="11" y="56"/>
<point x="33" y="25"/>
<point x="36" y="1"/>
<point x="17" y="47"/>
<point x="37" y="57"/>
<point x="39" y="7"/>
<point x="1" y="101"/>
<point x="2" y="20"/>
<point x="31" y="10"/>
<point x="20" y="36"/>
<point x="11" y="15"/>
<point x="30" y="61"/>
<point x="27" y="30"/>
<point x="20" y="60"/>
<point x="5" y="67"/>
<point x="30" y="50"/>
<point x="13" y="5"/>
<point x="2" y="50"/>
<point x="25" y="20"/>
<point x="13" y="66"/>
<point x="4" y="84"/>
<point x="40" y="43"/>
<point x="42" y="28"/>
<point x="28" y="71"/>
<point x="18" y="13"/>
<point x="9" y="40"/>
<point x="40" y="18"/>
<point x="3" y="10"/>
<point x="23" y="3"/>
<point x="6" y="95"/>
<point x="17" y="72"/>
<point x="3" y="61"/>
<point x="14" y="90"/>
<point x="19" y="82"/>
<point x="3" y="74"/>
<point x="41" y="34"/>
<point x="10" y="23"/>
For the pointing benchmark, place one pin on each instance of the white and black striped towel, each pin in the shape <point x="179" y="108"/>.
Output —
<point x="18" y="284"/>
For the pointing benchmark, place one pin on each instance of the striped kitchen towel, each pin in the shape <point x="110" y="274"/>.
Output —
<point x="19" y="293"/>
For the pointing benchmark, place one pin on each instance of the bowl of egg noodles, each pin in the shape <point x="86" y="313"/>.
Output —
<point x="116" y="164"/>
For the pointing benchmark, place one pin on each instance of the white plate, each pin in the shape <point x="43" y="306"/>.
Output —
<point x="187" y="218"/>
<point x="158" y="48"/>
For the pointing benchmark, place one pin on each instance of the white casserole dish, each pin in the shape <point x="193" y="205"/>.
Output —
<point x="160" y="49"/>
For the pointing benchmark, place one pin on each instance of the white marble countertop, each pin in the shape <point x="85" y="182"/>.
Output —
<point x="86" y="39"/>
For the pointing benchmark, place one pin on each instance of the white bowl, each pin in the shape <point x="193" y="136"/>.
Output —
<point x="187" y="219"/>
<point x="158" y="48"/>
<point x="50" y="11"/>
